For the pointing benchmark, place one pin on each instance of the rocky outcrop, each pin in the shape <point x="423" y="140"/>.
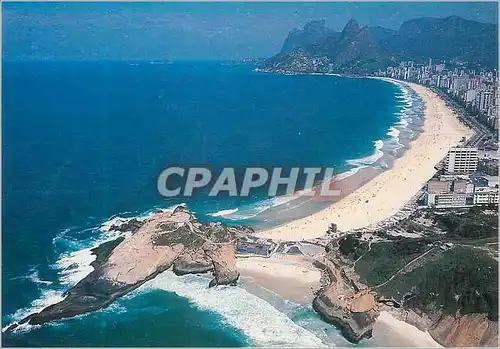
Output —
<point x="157" y="243"/>
<point x="353" y="325"/>
<point x="469" y="330"/>
<point x="352" y="51"/>
<point x="224" y="260"/>
<point x="313" y="32"/>
<point x="196" y="262"/>
<point x="131" y="225"/>
<point x="362" y="304"/>
<point x="103" y="251"/>
<point x="459" y="330"/>
<point x="345" y="302"/>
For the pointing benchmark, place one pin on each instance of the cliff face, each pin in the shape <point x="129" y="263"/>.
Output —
<point x="470" y="330"/>
<point x="313" y="32"/>
<point x="354" y="325"/>
<point x="450" y="293"/>
<point x="448" y="38"/>
<point x="360" y="52"/>
<point x="194" y="262"/>
<point x="320" y="49"/>
<point x="125" y="264"/>
<point x="345" y="302"/>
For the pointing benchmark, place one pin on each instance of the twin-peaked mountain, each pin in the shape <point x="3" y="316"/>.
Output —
<point x="365" y="49"/>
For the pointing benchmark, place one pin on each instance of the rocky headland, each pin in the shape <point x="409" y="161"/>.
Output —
<point x="362" y="274"/>
<point x="178" y="241"/>
<point x="343" y="301"/>
<point x="433" y="276"/>
<point x="164" y="240"/>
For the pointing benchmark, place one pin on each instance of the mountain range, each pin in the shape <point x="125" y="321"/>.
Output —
<point x="359" y="50"/>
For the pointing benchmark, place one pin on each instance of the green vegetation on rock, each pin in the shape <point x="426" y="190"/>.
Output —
<point x="472" y="224"/>
<point x="463" y="279"/>
<point x="386" y="258"/>
<point x="351" y="247"/>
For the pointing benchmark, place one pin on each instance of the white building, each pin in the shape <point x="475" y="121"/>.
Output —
<point x="486" y="98"/>
<point x="450" y="200"/>
<point x="449" y="193"/>
<point x="470" y="96"/>
<point x="461" y="160"/>
<point x="436" y="188"/>
<point x="485" y="195"/>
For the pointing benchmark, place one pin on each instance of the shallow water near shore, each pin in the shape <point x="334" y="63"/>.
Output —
<point x="89" y="144"/>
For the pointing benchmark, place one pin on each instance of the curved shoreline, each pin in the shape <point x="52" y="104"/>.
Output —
<point x="355" y="172"/>
<point x="443" y="120"/>
<point x="404" y="130"/>
<point x="386" y="193"/>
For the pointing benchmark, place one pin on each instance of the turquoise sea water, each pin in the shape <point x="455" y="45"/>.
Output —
<point x="84" y="142"/>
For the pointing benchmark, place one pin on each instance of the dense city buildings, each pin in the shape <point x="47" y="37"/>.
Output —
<point x="470" y="172"/>
<point x="486" y="196"/>
<point x="470" y="178"/>
<point x="475" y="89"/>
<point x="488" y="166"/>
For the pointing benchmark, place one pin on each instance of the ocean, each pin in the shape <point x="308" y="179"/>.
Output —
<point x="84" y="143"/>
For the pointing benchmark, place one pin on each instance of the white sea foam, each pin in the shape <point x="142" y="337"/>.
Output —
<point x="265" y="325"/>
<point x="33" y="277"/>
<point x="260" y="321"/>
<point x="393" y="144"/>
<point x="253" y="210"/>
<point x="47" y="298"/>
<point x="348" y="173"/>
<point x="115" y="221"/>
<point x="74" y="263"/>
<point x="74" y="266"/>
<point x="223" y="212"/>
<point x="371" y="159"/>
<point x="393" y="132"/>
<point x="403" y="123"/>
<point x="411" y="109"/>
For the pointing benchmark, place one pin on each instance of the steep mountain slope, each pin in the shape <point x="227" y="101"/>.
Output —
<point x="314" y="31"/>
<point x="447" y="38"/>
<point x="359" y="50"/>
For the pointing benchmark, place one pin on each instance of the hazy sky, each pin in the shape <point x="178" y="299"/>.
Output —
<point x="176" y="31"/>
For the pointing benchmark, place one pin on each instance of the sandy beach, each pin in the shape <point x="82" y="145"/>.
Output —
<point x="391" y="332"/>
<point x="292" y="277"/>
<point x="387" y="193"/>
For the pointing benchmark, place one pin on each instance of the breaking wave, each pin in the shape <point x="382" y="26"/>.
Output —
<point x="258" y="320"/>
<point x="371" y="159"/>
<point x="252" y="210"/>
<point x="410" y="111"/>
<point x="73" y="263"/>
<point x="223" y="212"/>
